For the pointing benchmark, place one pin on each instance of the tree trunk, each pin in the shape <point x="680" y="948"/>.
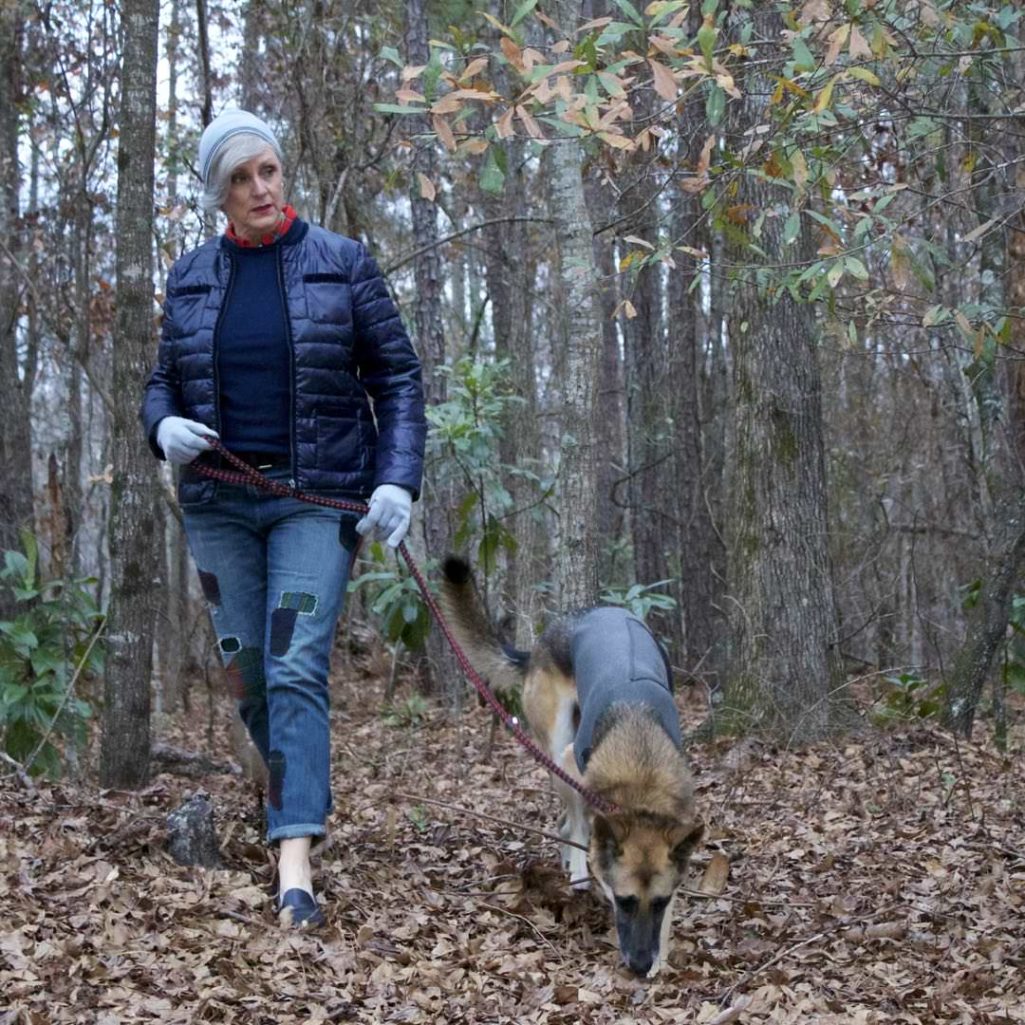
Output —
<point x="510" y="278"/>
<point x="135" y="536"/>
<point x="172" y="635"/>
<point x="987" y="624"/>
<point x="249" y="69"/>
<point x="579" y="335"/>
<point x="430" y="336"/>
<point x="1001" y="577"/>
<point x="205" y="79"/>
<point x="700" y="557"/>
<point x="785" y="664"/>
<point x="15" y="435"/>
<point x="79" y="345"/>
<point x="651" y="488"/>
<point x="609" y="405"/>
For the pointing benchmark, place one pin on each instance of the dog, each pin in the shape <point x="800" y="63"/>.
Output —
<point x="596" y="693"/>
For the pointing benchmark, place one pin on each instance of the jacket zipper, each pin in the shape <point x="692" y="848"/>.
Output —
<point x="217" y="333"/>
<point x="291" y="367"/>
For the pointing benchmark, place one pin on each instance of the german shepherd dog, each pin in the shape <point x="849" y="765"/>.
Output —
<point x="596" y="694"/>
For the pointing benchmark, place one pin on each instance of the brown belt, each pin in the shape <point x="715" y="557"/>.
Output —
<point x="258" y="460"/>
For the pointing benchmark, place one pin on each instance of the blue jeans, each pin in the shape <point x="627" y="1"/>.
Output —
<point x="274" y="572"/>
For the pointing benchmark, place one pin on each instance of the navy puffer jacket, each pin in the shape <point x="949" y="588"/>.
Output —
<point x="357" y="408"/>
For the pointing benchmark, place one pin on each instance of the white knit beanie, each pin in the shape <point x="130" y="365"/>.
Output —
<point x="222" y="128"/>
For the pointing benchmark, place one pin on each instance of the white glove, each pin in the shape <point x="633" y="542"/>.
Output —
<point x="182" y="440"/>
<point x="390" y="510"/>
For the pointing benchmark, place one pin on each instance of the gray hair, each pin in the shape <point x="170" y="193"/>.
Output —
<point x="237" y="150"/>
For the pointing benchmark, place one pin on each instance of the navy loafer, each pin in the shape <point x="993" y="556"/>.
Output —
<point x="299" y="910"/>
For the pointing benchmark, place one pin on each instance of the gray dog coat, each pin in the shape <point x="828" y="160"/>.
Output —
<point x="616" y="661"/>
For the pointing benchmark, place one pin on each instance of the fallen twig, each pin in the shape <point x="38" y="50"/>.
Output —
<point x="528" y="922"/>
<point x="190" y="763"/>
<point x="491" y="818"/>
<point x="775" y="959"/>
<point x="17" y="769"/>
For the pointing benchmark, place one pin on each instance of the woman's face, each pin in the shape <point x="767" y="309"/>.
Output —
<point x="256" y="196"/>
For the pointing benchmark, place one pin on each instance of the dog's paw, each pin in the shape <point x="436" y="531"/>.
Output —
<point x="576" y="869"/>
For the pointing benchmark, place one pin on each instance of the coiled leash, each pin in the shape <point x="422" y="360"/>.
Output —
<point x="246" y="474"/>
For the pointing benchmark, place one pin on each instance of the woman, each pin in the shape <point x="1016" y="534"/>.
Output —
<point x="280" y="338"/>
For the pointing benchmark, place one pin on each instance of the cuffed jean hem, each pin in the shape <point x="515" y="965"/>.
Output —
<point x="291" y="832"/>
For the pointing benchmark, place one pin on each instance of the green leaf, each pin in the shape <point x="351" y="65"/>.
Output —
<point x="1015" y="677"/>
<point x="803" y="59"/>
<point x="491" y="177"/>
<point x="630" y="11"/>
<point x="706" y="41"/>
<point x="935" y="315"/>
<point x="522" y="11"/>
<point x="389" y="53"/>
<point x="613" y="33"/>
<point x="15" y="565"/>
<point x="921" y="126"/>
<point x="22" y="636"/>
<point x="864" y="75"/>
<point x="660" y="9"/>
<point x="398" y="108"/>
<point x="13" y="693"/>
<point x="792" y="228"/>
<point x="825" y="221"/>
<point x="715" y="106"/>
<point x="857" y="268"/>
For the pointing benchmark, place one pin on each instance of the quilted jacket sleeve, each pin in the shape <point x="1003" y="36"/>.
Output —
<point x="390" y="371"/>
<point x="162" y="395"/>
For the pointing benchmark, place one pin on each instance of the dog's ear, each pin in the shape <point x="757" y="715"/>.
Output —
<point x="684" y="847"/>
<point x="606" y="838"/>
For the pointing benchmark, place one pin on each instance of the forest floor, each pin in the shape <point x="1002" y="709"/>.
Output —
<point x="877" y="879"/>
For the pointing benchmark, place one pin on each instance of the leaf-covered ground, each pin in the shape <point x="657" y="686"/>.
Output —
<point x="877" y="880"/>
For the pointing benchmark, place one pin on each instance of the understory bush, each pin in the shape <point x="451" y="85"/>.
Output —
<point x="49" y="644"/>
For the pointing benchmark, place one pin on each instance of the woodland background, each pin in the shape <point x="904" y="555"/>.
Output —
<point x="720" y="309"/>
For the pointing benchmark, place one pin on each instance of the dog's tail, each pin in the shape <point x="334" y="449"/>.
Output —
<point x="500" y="664"/>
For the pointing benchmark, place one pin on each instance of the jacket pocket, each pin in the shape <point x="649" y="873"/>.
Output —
<point x="340" y="445"/>
<point x="185" y="306"/>
<point x="328" y="298"/>
<point x="175" y="293"/>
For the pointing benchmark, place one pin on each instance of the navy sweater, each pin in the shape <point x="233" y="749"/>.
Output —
<point x="254" y="360"/>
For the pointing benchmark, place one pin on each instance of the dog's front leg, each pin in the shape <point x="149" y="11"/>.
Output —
<point x="574" y="826"/>
<point x="665" y="940"/>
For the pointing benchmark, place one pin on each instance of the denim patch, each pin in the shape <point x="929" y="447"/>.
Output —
<point x="245" y="673"/>
<point x="211" y="589"/>
<point x="282" y="624"/>
<point x="275" y="778"/>
<point x="304" y="604"/>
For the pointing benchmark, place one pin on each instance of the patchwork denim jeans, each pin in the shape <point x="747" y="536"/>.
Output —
<point x="274" y="572"/>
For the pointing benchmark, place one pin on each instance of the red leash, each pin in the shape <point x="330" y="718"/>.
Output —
<point x="247" y="474"/>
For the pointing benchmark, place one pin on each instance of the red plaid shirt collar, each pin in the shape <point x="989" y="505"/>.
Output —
<point x="288" y="216"/>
